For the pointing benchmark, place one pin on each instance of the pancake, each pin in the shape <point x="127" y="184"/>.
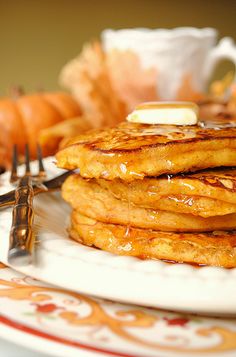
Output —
<point x="132" y="151"/>
<point x="206" y="193"/>
<point x="215" y="249"/>
<point x="92" y="200"/>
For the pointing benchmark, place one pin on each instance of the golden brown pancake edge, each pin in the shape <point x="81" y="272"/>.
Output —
<point x="212" y="249"/>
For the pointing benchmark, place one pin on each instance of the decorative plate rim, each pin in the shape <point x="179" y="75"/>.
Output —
<point x="24" y="328"/>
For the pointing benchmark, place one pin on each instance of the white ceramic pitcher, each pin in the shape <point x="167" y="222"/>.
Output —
<point x="184" y="57"/>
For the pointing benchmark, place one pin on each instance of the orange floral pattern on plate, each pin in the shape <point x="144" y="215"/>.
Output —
<point x="108" y="323"/>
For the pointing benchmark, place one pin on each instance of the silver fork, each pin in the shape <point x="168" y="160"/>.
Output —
<point x="21" y="233"/>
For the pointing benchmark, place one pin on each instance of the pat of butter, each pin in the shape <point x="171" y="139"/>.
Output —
<point x="169" y="113"/>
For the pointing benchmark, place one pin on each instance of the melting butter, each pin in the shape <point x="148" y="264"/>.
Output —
<point x="169" y="113"/>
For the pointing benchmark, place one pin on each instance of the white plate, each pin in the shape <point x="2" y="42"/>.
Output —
<point x="65" y="263"/>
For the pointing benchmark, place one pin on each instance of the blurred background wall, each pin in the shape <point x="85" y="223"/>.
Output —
<point x="37" y="37"/>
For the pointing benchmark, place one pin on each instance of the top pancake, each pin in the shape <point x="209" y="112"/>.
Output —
<point x="132" y="151"/>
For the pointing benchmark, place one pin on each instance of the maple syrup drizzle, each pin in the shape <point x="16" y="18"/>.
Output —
<point x="128" y="225"/>
<point x="194" y="265"/>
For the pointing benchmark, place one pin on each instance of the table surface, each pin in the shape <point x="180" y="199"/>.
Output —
<point x="8" y="349"/>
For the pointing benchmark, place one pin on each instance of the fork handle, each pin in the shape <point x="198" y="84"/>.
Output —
<point x="21" y="233"/>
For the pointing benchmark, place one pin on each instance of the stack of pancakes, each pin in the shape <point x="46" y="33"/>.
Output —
<point x="155" y="191"/>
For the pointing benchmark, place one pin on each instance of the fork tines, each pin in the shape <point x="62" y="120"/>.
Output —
<point x="14" y="177"/>
<point x="22" y="235"/>
<point x="27" y="160"/>
<point x="41" y="171"/>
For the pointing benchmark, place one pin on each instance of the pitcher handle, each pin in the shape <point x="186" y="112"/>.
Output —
<point x="226" y="49"/>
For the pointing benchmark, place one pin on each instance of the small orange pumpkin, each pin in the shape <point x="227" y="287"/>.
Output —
<point x="23" y="117"/>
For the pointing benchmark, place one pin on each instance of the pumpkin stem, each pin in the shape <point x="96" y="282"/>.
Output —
<point x="16" y="92"/>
